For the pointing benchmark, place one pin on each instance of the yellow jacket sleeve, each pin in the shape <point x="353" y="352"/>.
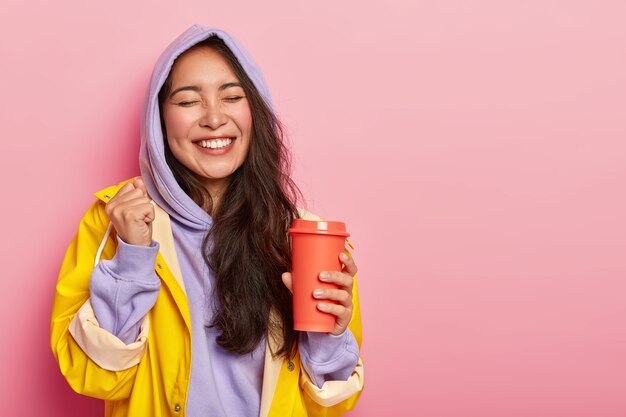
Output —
<point x="72" y="292"/>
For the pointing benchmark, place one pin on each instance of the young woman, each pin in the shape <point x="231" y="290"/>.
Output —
<point x="174" y="297"/>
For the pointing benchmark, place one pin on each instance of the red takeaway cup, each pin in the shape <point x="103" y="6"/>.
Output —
<point x="315" y="247"/>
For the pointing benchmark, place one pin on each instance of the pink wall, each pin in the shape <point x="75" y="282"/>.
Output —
<point x="476" y="150"/>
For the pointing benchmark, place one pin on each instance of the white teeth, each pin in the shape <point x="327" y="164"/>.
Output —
<point x="216" y="143"/>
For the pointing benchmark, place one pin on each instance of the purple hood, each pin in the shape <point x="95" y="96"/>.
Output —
<point x="158" y="177"/>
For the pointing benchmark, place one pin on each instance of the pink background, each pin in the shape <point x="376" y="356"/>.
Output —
<point x="476" y="150"/>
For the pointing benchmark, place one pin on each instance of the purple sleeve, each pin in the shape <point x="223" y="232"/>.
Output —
<point x="124" y="289"/>
<point x="327" y="357"/>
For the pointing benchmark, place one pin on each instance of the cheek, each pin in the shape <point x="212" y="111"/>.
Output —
<point x="177" y="124"/>
<point x="244" y="119"/>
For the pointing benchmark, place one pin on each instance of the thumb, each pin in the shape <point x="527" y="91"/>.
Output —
<point x="287" y="281"/>
<point x="149" y="215"/>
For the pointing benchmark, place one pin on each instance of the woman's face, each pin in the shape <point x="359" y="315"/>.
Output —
<point x="207" y="117"/>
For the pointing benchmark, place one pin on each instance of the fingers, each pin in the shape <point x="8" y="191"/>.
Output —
<point x="132" y="213"/>
<point x="131" y="202"/>
<point x="138" y="209"/>
<point x="349" y="265"/>
<point x="343" y="297"/>
<point x="136" y="187"/>
<point x="128" y="199"/>
<point x="140" y="184"/>
<point x="341" y="279"/>
<point x="340" y="299"/>
<point x="127" y="192"/>
<point x="126" y="188"/>
<point x="343" y="314"/>
<point x="135" y="210"/>
<point x="286" y="276"/>
<point x="334" y="309"/>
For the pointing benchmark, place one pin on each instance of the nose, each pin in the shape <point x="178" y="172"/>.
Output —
<point x="213" y="116"/>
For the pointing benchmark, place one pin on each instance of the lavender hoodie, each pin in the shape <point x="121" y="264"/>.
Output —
<point x="125" y="288"/>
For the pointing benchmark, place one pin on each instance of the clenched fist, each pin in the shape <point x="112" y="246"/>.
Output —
<point x="132" y="213"/>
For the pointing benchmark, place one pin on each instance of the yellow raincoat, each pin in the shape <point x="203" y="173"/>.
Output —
<point x="150" y="377"/>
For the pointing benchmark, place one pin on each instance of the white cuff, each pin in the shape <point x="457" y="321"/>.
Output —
<point x="104" y="348"/>
<point x="333" y="392"/>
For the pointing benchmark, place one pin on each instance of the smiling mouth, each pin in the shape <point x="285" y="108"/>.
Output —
<point x="215" y="143"/>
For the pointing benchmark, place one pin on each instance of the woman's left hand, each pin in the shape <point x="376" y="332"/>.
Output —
<point x="342" y="295"/>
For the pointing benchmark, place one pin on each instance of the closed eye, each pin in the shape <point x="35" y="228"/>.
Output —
<point x="233" y="99"/>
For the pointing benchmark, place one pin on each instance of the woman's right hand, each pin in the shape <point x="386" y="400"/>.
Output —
<point x="132" y="213"/>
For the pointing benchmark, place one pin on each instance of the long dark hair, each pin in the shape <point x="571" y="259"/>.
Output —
<point x="247" y="247"/>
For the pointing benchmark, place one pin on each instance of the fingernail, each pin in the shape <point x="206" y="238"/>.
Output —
<point x="344" y="257"/>
<point x="318" y="293"/>
<point x="323" y="306"/>
<point x="324" y="276"/>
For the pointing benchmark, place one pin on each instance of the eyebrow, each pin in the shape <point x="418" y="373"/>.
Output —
<point x="198" y="89"/>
